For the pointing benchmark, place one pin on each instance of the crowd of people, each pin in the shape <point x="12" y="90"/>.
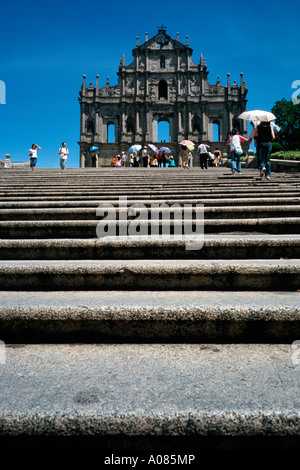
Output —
<point x="262" y="134"/>
<point x="145" y="158"/>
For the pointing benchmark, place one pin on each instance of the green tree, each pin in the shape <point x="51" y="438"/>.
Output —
<point x="288" y="119"/>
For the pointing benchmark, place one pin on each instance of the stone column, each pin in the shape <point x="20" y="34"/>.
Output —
<point x="97" y="123"/>
<point x="137" y="125"/>
<point x="100" y="119"/>
<point x="123" y="124"/>
<point x="204" y="125"/>
<point x="82" y="159"/>
<point x="188" y="121"/>
<point x="179" y="122"/>
<point x="147" y="116"/>
<point x="83" y="120"/>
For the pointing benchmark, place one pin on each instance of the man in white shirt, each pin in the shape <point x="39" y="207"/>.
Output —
<point x="203" y="154"/>
<point x="63" y="152"/>
<point x="145" y="156"/>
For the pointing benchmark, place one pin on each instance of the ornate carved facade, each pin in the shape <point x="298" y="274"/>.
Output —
<point x="162" y="83"/>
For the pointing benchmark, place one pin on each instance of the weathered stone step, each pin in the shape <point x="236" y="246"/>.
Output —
<point x="155" y="184"/>
<point x="240" y="246"/>
<point x="134" y="316"/>
<point x="209" y="212"/>
<point x="208" y="200"/>
<point x="277" y="275"/>
<point x="87" y="228"/>
<point x="152" y="196"/>
<point x="149" y="389"/>
<point x="171" y="195"/>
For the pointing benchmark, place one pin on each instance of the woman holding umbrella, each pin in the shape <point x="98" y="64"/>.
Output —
<point x="264" y="135"/>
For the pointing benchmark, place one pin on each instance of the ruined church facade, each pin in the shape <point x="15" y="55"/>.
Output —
<point x="162" y="83"/>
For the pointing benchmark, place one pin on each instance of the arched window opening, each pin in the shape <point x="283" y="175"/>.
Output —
<point x="216" y="131"/>
<point x="163" y="90"/>
<point x="163" y="131"/>
<point x="110" y="133"/>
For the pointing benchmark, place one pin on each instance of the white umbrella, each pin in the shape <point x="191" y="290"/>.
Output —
<point x="155" y="149"/>
<point x="257" y="115"/>
<point x="165" y="149"/>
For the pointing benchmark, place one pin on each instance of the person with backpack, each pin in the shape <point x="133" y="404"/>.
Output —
<point x="264" y="135"/>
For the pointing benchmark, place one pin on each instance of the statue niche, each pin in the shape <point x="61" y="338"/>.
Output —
<point x="163" y="90"/>
<point x="129" y="126"/>
<point x="90" y="127"/>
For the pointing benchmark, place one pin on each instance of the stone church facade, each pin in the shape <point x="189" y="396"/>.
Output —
<point x="162" y="83"/>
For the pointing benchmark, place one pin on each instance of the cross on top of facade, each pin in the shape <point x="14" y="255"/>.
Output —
<point x="162" y="28"/>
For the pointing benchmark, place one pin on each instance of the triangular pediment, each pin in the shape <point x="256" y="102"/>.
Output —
<point x="162" y="41"/>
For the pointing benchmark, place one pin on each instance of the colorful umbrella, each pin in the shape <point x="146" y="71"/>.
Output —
<point x="186" y="143"/>
<point x="155" y="149"/>
<point x="94" y="148"/>
<point x="135" y="148"/>
<point x="165" y="149"/>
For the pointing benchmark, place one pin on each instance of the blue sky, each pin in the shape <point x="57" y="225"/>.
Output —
<point x="46" y="47"/>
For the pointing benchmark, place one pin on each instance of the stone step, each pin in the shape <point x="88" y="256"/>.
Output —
<point x="208" y="201"/>
<point x="145" y="338"/>
<point x="240" y="246"/>
<point x="88" y="228"/>
<point x="209" y="212"/>
<point x="151" y="316"/>
<point x="109" y="184"/>
<point x="150" y="390"/>
<point x="276" y="275"/>
<point x="154" y="195"/>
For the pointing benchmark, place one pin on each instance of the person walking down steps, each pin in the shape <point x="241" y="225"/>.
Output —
<point x="63" y="152"/>
<point x="33" y="155"/>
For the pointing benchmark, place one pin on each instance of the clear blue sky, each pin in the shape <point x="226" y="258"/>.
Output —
<point x="46" y="47"/>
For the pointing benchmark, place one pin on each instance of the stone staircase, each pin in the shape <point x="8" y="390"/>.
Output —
<point x="141" y="346"/>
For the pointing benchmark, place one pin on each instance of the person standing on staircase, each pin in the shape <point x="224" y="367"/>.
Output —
<point x="264" y="135"/>
<point x="63" y="153"/>
<point x="203" y="155"/>
<point x="33" y="155"/>
<point x="236" y="150"/>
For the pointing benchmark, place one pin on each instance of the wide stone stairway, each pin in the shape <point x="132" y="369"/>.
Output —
<point x="138" y="345"/>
